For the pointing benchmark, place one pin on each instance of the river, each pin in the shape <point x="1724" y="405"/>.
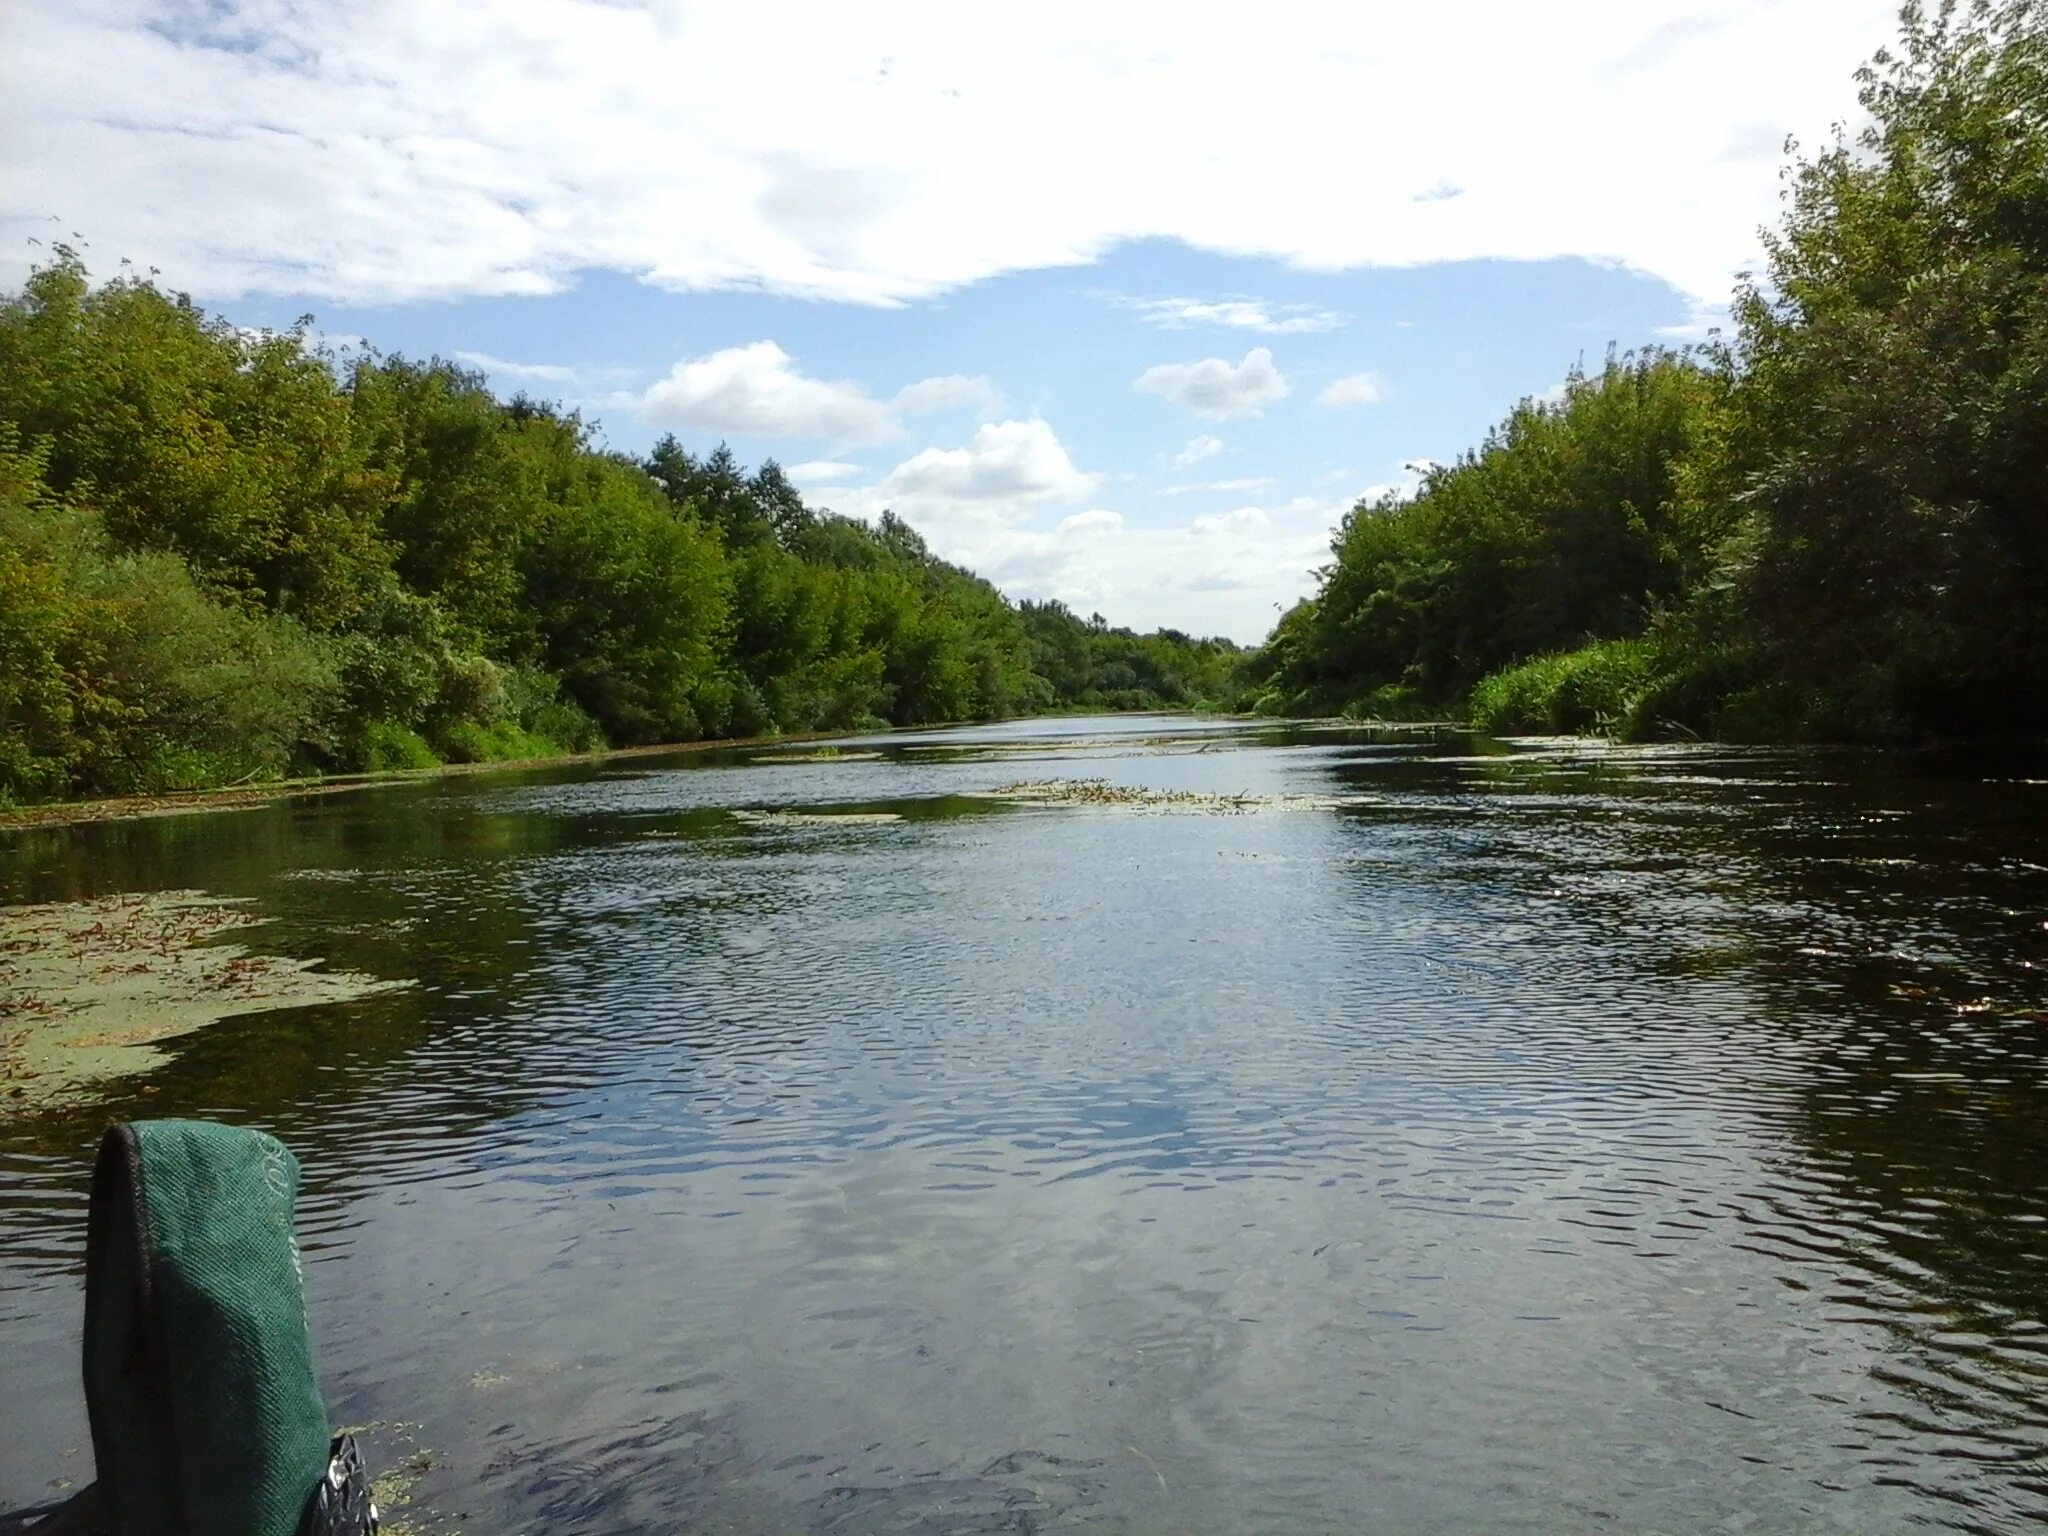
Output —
<point x="1370" y="1131"/>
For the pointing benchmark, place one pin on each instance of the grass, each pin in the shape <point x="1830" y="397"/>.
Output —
<point x="1590" y="691"/>
<point x="502" y="741"/>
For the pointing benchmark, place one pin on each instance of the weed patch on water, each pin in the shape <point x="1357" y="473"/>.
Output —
<point x="815" y="818"/>
<point x="90" y="990"/>
<point x="1102" y="794"/>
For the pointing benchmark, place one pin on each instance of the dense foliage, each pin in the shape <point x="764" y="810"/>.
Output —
<point x="1831" y="523"/>
<point x="226" y="556"/>
<point x="1093" y="666"/>
<point x="1564" y="524"/>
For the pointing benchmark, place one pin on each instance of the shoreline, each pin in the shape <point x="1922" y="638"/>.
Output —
<point x="233" y="797"/>
<point x="239" y="797"/>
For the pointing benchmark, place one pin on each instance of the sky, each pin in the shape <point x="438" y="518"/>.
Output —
<point x="1123" y="304"/>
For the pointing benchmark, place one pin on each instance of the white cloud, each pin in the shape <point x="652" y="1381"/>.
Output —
<point x="1097" y="520"/>
<point x="316" y="338"/>
<point x="1217" y="390"/>
<point x="757" y="391"/>
<point x="1012" y="505"/>
<point x="375" y="151"/>
<point x="1408" y="478"/>
<point x="1702" y="319"/>
<point x="1008" y="466"/>
<point x="821" y="471"/>
<point x="1197" y="449"/>
<point x="1232" y="487"/>
<point x="547" y="373"/>
<point x="948" y="392"/>
<point x="1354" y="389"/>
<point x="1235" y="313"/>
<point x="1230" y="573"/>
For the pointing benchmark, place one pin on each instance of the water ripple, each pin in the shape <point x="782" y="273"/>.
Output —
<point x="1541" y="1139"/>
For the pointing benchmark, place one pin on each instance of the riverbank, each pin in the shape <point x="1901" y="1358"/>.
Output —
<point x="60" y="813"/>
<point x="234" y="797"/>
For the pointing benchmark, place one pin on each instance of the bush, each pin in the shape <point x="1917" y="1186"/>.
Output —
<point x="568" y="728"/>
<point x="1593" y="689"/>
<point x="119" y="673"/>
<point x="388" y="748"/>
<point x="469" y="741"/>
<point x="1393" y="701"/>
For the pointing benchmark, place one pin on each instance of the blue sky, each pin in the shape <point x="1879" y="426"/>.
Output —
<point x="1122" y="305"/>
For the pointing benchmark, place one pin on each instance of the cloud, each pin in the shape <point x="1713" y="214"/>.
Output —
<point x="1701" y="321"/>
<point x="1008" y="466"/>
<point x="757" y="391"/>
<point x="316" y="338"/>
<point x="949" y="392"/>
<point x="377" y="151"/>
<point x="1197" y="449"/>
<point x="1234" y="313"/>
<point x="1354" y="389"/>
<point x="1231" y="487"/>
<point x="1097" y="520"/>
<point x="1216" y="390"/>
<point x="1669" y="38"/>
<point x="1754" y="142"/>
<point x="1011" y="504"/>
<point x="821" y="471"/>
<point x="1408" y="477"/>
<point x="547" y="373"/>
<point x="1230" y="573"/>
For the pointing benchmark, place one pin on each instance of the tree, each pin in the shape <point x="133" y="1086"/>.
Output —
<point x="1895" y="396"/>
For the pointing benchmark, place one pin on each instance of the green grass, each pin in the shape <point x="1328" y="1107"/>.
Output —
<point x="501" y="741"/>
<point x="388" y="747"/>
<point x="1590" y="691"/>
<point x="1394" y="702"/>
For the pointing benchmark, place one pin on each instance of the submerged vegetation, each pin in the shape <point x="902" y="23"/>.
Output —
<point x="226" y="556"/>
<point x="92" y="989"/>
<point x="1827" y="524"/>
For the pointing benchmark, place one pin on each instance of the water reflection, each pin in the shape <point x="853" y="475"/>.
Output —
<point x="1550" y="1136"/>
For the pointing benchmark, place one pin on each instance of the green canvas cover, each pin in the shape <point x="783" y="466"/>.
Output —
<point x="206" y="1418"/>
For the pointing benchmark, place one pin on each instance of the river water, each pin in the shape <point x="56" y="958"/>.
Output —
<point x="1498" y="1137"/>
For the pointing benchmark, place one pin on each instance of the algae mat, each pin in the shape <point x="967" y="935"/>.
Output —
<point x="89" y="990"/>
<point x="1103" y="794"/>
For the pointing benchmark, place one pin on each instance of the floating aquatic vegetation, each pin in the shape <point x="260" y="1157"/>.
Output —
<point x="1058" y="746"/>
<point x="1103" y="793"/>
<point x="397" y="1463"/>
<point x="815" y="818"/>
<point x="821" y="755"/>
<point x="90" y="989"/>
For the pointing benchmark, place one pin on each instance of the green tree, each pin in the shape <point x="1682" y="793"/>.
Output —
<point x="1895" y="393"/>
<point x="232" y="450"/>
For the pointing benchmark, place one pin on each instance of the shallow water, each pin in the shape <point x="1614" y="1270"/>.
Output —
<point x="1539" y="1137"/>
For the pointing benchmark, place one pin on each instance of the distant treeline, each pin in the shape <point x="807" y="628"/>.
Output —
<point x="227" y="556"/>
<point x="1831" y="523"/>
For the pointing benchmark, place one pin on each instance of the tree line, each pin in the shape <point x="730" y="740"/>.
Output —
<point x="228" y="555"/>
<point x="1831" y="522"/>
